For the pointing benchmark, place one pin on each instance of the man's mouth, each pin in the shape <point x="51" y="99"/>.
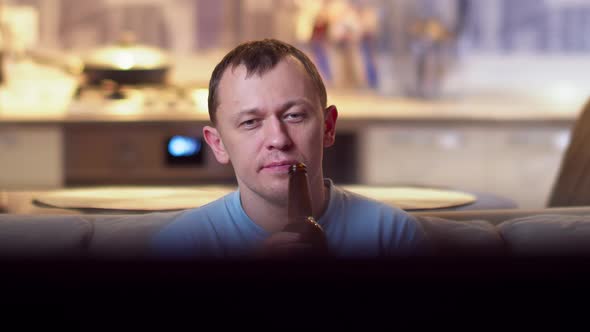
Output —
<point x="279" y="166"/>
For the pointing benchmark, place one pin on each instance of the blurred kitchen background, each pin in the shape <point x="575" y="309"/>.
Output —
<point x="476" y="95"/>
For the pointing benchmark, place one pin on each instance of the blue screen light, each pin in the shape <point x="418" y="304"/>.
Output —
<point x="183" y="146"/>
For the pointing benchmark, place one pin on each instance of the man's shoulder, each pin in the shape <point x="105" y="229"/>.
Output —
<point x="212" y="210"/>
<point x="201" y="216"/>
<point x="365" y="208"/>
<point x="373" y="222"/>
<point x="193" y="227"/>
<point x="356" y="200"/>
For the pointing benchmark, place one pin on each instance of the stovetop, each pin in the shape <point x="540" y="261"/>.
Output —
<point x="140" y="99"/>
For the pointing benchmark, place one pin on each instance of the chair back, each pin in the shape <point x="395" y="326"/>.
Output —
<point x="572" y="184"/>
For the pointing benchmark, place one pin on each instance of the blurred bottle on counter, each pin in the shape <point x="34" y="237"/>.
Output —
<point x="369" y="20"/>
<point x="345" y="35"/>
<point x="319" y="44"/>
<point x="353" y="35"/>
<point x="18" y="34"/>
<point x="421" y="38"/>
<point x="341" y="36"/>
<point x="300" y="212"/>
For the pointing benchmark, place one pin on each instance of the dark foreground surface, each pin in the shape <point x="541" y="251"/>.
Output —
<point x="70" y="294"/>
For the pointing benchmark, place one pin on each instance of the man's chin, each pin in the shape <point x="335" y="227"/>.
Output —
<point x="273" y="188"/>
<point x="278" y="193"/>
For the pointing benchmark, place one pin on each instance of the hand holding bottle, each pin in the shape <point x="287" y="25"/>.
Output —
<point x="284" y="244"/>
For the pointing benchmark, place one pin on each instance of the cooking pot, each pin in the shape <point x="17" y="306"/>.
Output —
<point x="127" y="63"/>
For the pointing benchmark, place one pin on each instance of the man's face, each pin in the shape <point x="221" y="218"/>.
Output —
<point x="266" y="123"/>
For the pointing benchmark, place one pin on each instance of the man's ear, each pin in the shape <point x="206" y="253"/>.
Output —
<point x="330" y="116"/>
<point x="214" y="141"/>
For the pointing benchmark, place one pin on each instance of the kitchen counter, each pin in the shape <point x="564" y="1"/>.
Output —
<point x="355" y="109"/>
<point x="37" y="94"/>
<point x="503" y="133"/>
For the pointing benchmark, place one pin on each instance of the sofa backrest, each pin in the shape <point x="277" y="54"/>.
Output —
<point x="461" y="238"/>
<point x="547" y="235"/>
<point x="498" y="216"/>
<point x="126" y="236"/>
<point x="536" y="235"/>
<point x="44" y="235"/>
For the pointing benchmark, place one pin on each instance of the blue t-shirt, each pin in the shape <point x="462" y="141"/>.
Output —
<point x="355" y="226"/>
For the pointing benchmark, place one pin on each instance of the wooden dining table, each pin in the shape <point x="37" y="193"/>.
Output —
<point x="145" y="199"/>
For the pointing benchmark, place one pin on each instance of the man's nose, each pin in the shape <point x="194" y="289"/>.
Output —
<point x="277" y="136"/>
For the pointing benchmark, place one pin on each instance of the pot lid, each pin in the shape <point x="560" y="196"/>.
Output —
<point x="127" y="55"/>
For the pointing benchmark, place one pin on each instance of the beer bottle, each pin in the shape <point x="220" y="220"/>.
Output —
<point x="299" y="210"/>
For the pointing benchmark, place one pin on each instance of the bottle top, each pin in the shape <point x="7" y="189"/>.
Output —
<point x="299" y="167"/>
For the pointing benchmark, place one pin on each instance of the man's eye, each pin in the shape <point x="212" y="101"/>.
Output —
<point x="248" y="123"/>
<point x="295" y="116"/>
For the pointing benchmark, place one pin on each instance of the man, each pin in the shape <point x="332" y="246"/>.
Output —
<point x="268" y="109"/>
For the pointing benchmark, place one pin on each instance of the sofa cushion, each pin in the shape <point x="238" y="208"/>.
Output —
<point x="126" y="236"/>
<point x="43" y="235"/>
<point x="463" y="238"/>
<point x="545" y="235"/>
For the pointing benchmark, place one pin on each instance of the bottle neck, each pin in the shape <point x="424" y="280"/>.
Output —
<point x="300" y="212"/>
<point x="299" y="204"/>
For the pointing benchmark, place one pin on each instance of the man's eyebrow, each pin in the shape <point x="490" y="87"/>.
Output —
<point x="285" y="106"/>
<point x="294" y="102"/>
<point x="247" y="112"/>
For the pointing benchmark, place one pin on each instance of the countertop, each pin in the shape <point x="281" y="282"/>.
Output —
<point x="354" y="108"/>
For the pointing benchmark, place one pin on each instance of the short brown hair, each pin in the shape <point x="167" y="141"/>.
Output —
<point x="259" y="57"/>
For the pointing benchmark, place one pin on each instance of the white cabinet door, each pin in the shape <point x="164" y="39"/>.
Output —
<point x="525" y="162"/>
<point x="423" y="156"/>
<point x="516" y="162"/>
<point x="31" y="157"/>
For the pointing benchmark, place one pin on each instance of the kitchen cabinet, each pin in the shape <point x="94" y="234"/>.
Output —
<point x="507" y="146"/>
<point x="125" y="153"/>
<point x="514" y="160"/>
<point x="519" y="162"/>
<point x="31" y="156"/>
<point x="135" y="153"/>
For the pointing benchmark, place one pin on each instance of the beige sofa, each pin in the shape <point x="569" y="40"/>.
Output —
<point x="552" y="231"/>
<point x="89" y="293"/>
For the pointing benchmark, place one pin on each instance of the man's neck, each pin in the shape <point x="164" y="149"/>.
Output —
<point x="273" y="217"/>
